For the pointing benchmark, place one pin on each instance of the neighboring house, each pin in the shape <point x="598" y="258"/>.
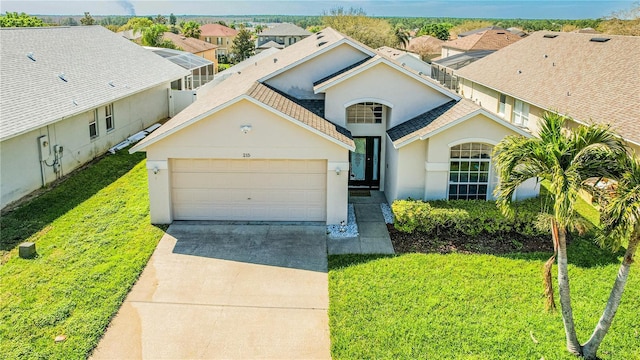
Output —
<point x="484" y="40"/>
<point x="428" y="47"/>
<point x="285" y="138"/>
<point x="282" y="34"/>
<point x="219" y="35"/>
<point x="195" y="46"/>
<point x="201" y="70"/>
<point x="268" y="45"/>
<point x="67" y="95"/>
<point x="480" y="30"/>
<point x="443" y="69"/>
<point x="584" y="76"/>
<point x="405" y="58"/>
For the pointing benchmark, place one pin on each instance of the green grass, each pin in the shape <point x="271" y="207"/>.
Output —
<point x="458" y="306"/>
<point x="93" y="237"/>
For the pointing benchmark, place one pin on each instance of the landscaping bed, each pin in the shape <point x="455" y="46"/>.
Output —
<point x="449" y="242"/>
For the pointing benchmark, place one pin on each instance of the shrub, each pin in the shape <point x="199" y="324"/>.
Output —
<point x="466" y="217"/>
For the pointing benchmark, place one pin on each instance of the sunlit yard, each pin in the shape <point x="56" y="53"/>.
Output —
<point x="93" y="238"/>
<point x="463" y="306"/>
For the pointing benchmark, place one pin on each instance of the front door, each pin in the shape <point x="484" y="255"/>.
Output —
<point x="364" y="162"/>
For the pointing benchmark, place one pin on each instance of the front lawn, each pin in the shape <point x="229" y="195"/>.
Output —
<point x="93" y="237"/>
<point x="471" y="306"/>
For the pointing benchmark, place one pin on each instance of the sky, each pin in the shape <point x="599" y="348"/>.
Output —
<point x="526" y="9"/>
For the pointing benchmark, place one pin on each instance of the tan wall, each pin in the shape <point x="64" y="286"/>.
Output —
<point x="298" y="82"/>
<point x="271" y="137"/>
<point x="211" y="56"/>
<point x="20" y="172"/>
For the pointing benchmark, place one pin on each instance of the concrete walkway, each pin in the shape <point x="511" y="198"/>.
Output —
<point x="373" y="236"/>
<point x="227" y="292"/>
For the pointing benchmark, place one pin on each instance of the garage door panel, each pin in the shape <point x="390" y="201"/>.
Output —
<point x="268" y="190"/>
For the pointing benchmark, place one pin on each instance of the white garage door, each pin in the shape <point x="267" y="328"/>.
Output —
<point x="259" y="190"/>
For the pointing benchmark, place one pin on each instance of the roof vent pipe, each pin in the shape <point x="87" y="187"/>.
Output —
<point x="62" y="77"/>
<point x="30" y="56"/>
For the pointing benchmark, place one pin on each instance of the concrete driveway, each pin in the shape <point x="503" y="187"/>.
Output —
<point x="214" y="291"/>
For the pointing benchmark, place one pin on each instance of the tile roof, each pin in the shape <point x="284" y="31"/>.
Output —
<point x="589" y="81"/>
<point x="189" y="44"/>
<point x="486" y="40"/>
<point x="285" y="29"/>
<point x="217" y="30"/>
<point x="425" y="43"/>
<point x="277" y="101"/>
<point x="99" y="67"/>
<point x="241" y="82"/>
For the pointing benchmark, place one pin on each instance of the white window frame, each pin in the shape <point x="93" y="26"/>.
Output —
<point x="93" y="126"/>
<point x="520" y="113"/>
<point x="108" y="117"/>
<point x="502" y="104"/>
<point x="465" y="155"/>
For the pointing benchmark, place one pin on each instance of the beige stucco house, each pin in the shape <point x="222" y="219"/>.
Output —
<point x="590" y="78"/>
<point x="286" y="137"/>
<point x="280" y="36"/>
<point x="67" y="95"/>
<point x="219" y="35"/>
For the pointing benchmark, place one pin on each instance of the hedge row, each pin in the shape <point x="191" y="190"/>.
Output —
<point x="469" y="217"/>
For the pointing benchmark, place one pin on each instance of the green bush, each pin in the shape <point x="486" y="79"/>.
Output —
<point x="468" y="217"/>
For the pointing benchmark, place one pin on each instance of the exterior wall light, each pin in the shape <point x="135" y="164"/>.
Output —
<point x="245" y="128"/>
<point x="338" y="170"/>
<point x="155" y="170"/>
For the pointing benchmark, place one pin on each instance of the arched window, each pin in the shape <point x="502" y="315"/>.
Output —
<point x="469" y="171"/>
<point x="365" y="113"/>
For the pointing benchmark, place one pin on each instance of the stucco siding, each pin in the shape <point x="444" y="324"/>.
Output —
<point x="391" y="168"/>
<point x="20" y="166"/>
<point x="411" y="170"/>
<point x="298" y="81"/>
<point x="271" y="137"/>
<point x="406" y="96"/>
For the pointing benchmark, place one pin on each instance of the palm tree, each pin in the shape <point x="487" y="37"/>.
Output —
<point x="566" y="158"/>
<point x="621" y="218"/>
<point x="402" y="37"/>
<point x="191" y="29"/>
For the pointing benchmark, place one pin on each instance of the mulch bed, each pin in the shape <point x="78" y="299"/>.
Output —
<point x="445" y="243"/>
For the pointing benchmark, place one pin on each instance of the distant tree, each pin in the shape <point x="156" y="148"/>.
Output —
<point x="136" y="23"/>
<point x="13" y="19"/>
<point x="172" y="19"/>
<point x="221" y="22"/>
<point x="69" y="22"/>
<point x="354" y="22"/>
<point x="439" y="30"/>
<point x="243" y="46"/>
<point x="259" y="28"/>
<point x="314" y="29"/>
<point x="191" y="29"/>
<point x="402" y="37"/>
<point x="113" y="28"/>
<point x="160" y="19"/>
<point x="468" y="26"/>
<point x="625" y="22"/>
<point x="233" y="25"/>
<point x="87" y="19"/>
<point x="152" y="36"/>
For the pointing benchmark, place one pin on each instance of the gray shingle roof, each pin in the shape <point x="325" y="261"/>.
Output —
<point x="98" y="65"/>
<point x="589" y="81"/>
<point x="285" y="29"/>
<point x="432" y="120"/>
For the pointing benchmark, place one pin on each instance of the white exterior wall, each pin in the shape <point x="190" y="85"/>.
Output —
<point x="19" y="156"/>
<point x="415" y="63"/>
<point x="271" y="137"/>
<point x="411" y="170"/>
<point x="298" y="81"/>
<point x="406" y="96"/>
<point x="446" y="52"/>
<point x="391" y="171"/>
<point x="477" y="129"/>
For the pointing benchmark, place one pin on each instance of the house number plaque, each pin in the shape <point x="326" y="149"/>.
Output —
<point x="246" y="155"/>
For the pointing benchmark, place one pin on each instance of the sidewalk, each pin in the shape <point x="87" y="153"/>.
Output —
<point x="373" y="236"/>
